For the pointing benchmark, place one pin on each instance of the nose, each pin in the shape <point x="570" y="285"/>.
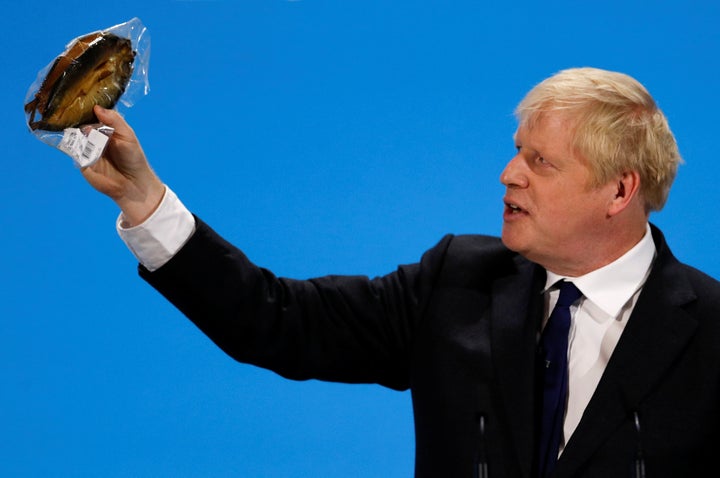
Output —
<point x="514" y="174"/>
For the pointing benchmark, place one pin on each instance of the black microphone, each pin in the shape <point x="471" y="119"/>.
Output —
<point x="481" y="466"/>
<point x="639" y="462"/>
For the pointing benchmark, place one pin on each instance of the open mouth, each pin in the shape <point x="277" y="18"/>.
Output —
<point x="514" y="208"/>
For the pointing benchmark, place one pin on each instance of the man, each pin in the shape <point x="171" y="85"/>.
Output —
<point x="513" y="371"/>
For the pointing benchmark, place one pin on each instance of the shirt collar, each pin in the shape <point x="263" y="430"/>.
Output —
<point x="611" y="286"/>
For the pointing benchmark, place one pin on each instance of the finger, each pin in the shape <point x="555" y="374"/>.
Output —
<point x="113" y="119"/>
<point x="106" y="116"/>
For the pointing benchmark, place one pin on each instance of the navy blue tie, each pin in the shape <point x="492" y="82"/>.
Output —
<point x="554" y="375"/>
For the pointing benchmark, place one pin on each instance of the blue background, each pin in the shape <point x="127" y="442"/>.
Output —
<point x="321" y="137"/>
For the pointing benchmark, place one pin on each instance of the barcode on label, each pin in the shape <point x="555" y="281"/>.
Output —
<point x="85" y="150"/>
<point x="88" y="150"/>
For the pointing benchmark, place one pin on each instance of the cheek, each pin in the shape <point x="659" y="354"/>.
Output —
<point x="584" y="211"/>
<point x="568" y="209"/>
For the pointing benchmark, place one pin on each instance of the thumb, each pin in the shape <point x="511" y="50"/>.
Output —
<point x="106" y="116"/>
<point x="113" y="119"/>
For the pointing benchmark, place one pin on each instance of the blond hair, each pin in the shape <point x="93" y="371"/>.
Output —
<point x="618" y="127"/>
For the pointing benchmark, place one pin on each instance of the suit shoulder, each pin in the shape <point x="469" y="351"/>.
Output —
<point x="703" y="284"/>
<point x="702" y="278"/>
<point x="478" y="247"/>
<point x="473" y="258"/>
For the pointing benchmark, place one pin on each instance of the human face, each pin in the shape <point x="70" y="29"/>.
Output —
<point x="552" y="216"/>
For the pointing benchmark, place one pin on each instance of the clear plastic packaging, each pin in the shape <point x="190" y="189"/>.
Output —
<point x="107" y="67"/>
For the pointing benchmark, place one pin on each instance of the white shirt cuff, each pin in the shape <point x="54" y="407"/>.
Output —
<point x="157" y="240"/>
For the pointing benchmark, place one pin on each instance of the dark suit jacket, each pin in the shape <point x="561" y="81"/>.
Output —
<point x="459" y="330"/>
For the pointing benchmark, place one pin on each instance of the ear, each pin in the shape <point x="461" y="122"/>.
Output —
<point x="626" y="189"/>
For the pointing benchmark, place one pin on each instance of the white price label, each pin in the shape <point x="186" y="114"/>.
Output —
<point x="84" y="150"/>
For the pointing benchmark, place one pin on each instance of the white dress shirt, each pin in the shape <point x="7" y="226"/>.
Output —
<point x="156" y="240"/>
<point x="597" y="320"/>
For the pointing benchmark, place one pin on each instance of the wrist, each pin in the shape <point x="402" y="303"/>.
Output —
<point x="140" y="203"/>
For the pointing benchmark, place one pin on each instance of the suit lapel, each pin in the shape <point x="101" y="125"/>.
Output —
<point x="515" y="313"/>
<point x="655" y="335"/>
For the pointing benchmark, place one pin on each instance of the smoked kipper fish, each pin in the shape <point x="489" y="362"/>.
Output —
<point x="95" y="69"/>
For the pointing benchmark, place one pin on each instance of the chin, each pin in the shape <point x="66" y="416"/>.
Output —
<point x="511" y="242"/>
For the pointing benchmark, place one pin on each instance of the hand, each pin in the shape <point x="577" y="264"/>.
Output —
<point x="123" y="172"/>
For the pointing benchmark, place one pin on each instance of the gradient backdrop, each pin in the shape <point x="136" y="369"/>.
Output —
<point x="321" y="137"/>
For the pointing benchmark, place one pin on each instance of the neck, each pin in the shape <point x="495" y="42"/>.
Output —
<point x="603" y="251"/>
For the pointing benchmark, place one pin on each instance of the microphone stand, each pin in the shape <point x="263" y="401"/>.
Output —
<point x="481" y="467"/>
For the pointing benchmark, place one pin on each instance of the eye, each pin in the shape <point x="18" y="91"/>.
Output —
<point x="542" y="161"/>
